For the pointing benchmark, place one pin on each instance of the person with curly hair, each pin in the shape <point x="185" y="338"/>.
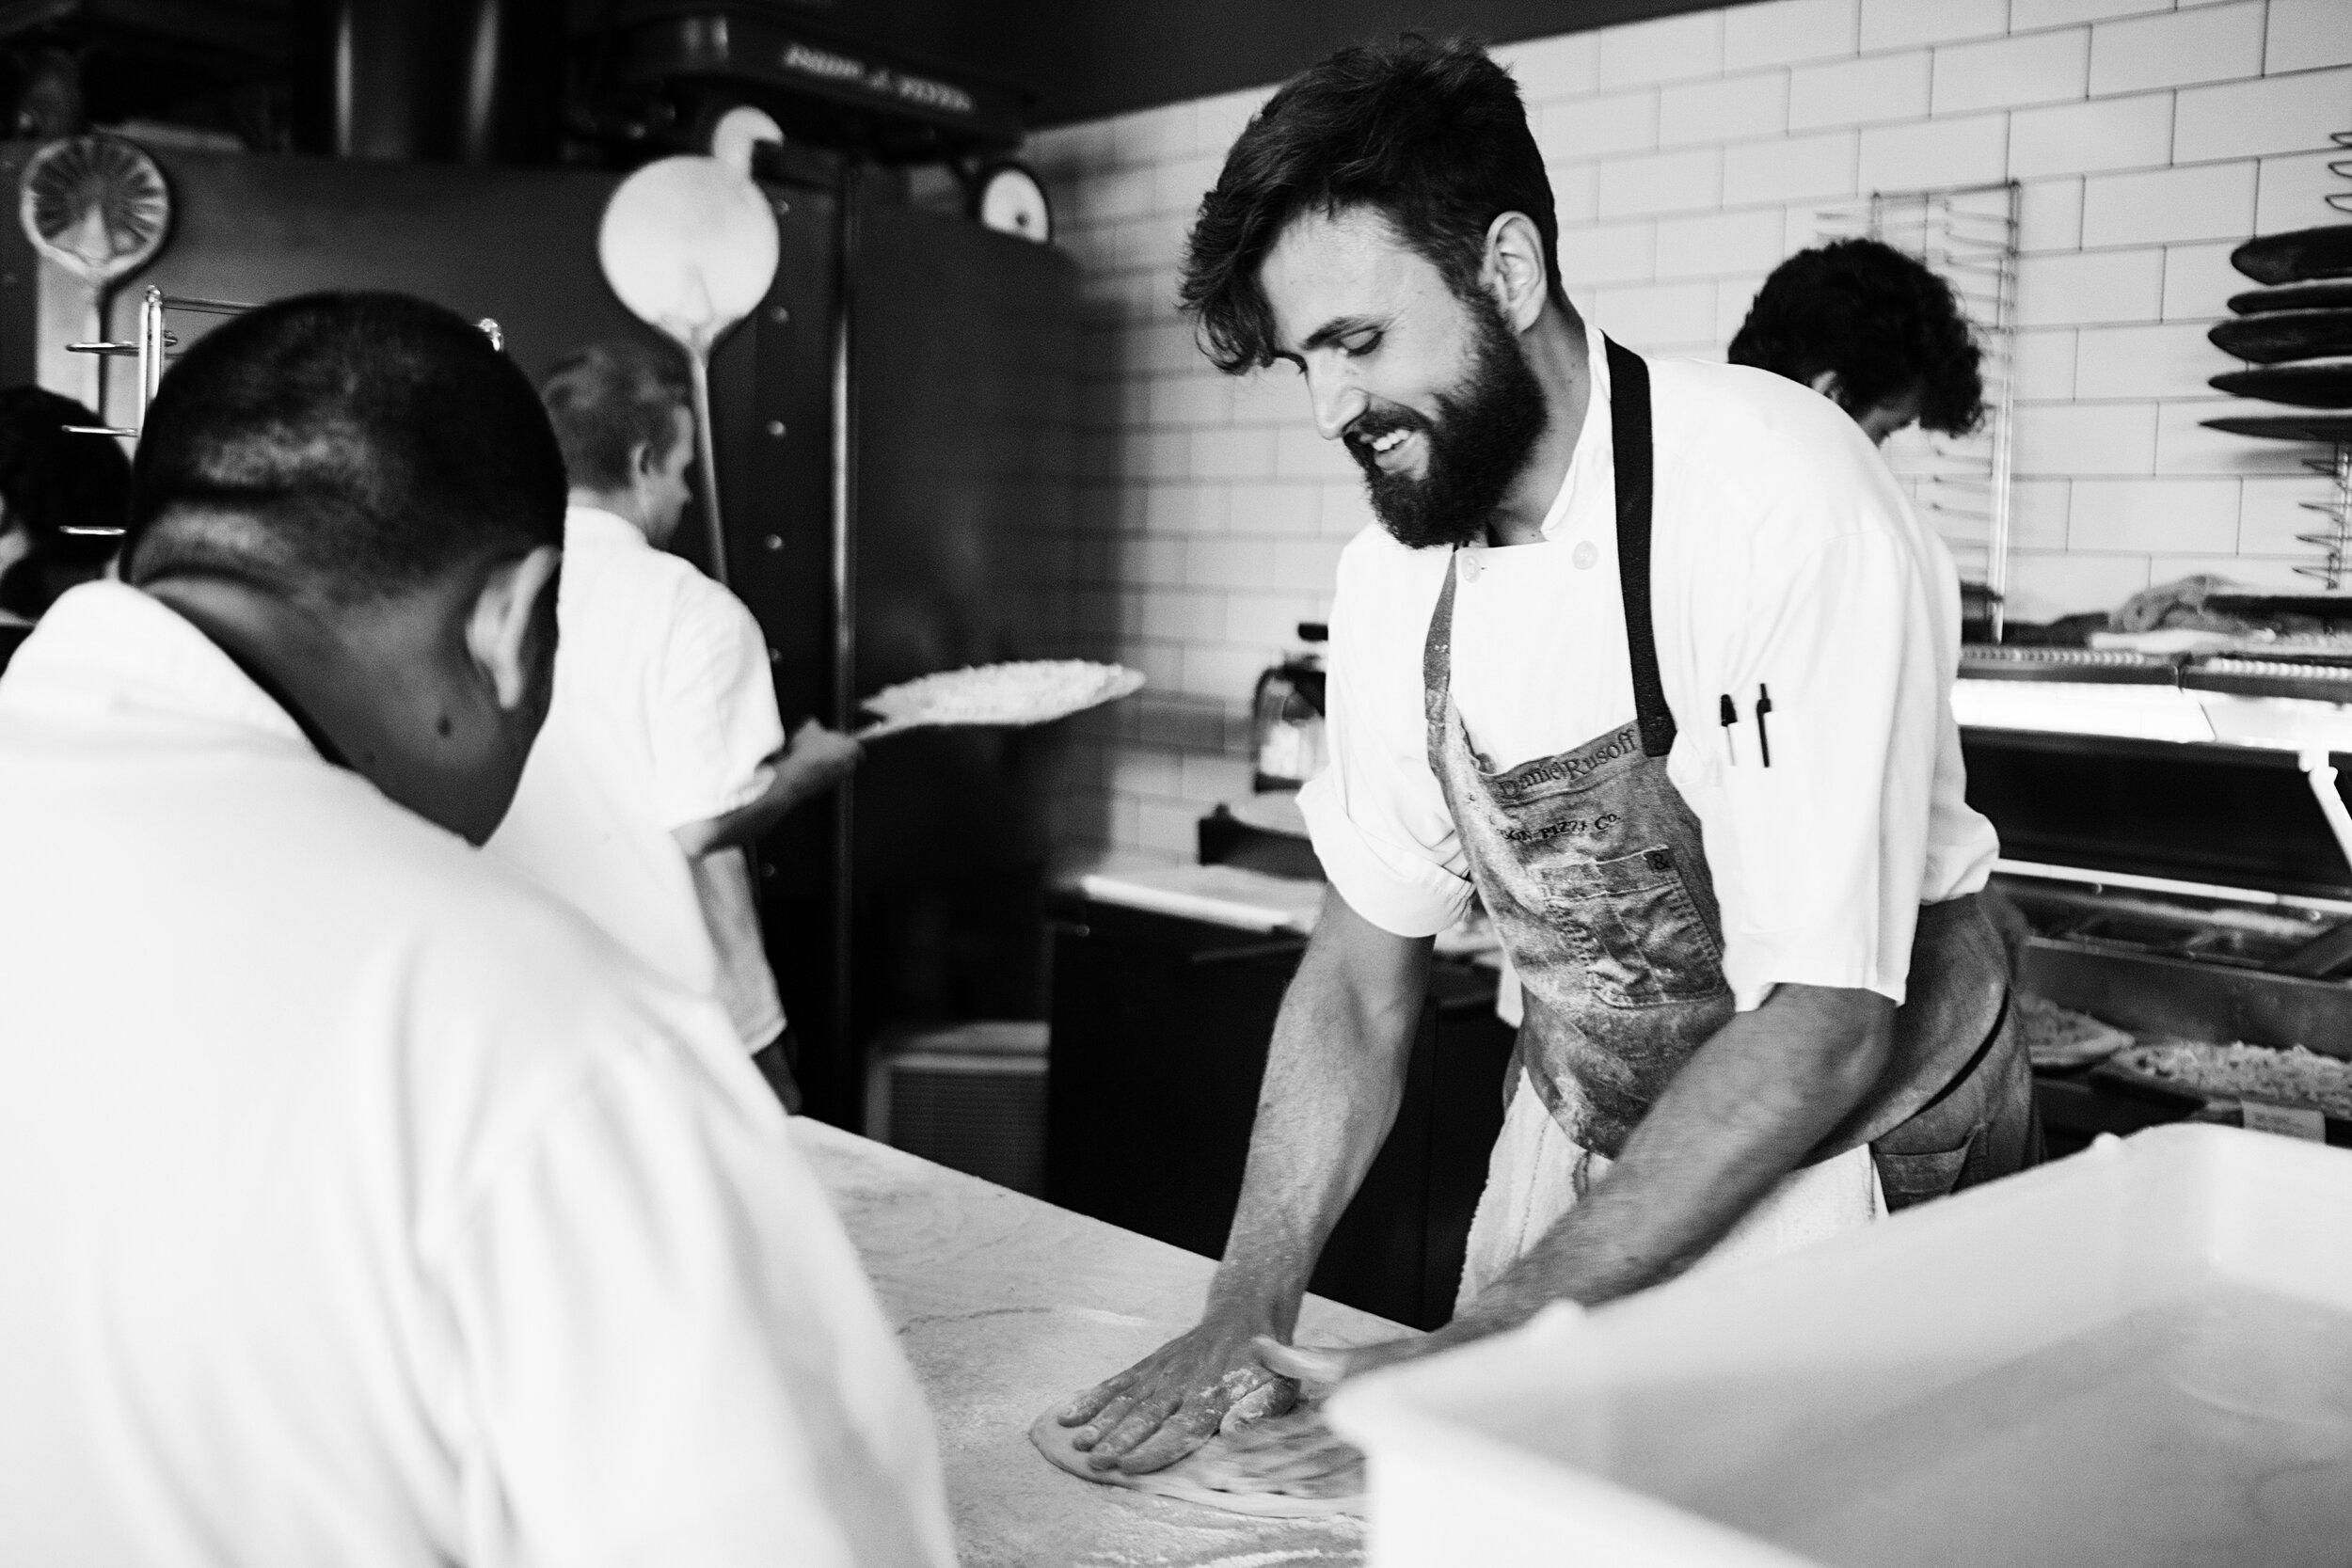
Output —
<point x="1874" y="332"/>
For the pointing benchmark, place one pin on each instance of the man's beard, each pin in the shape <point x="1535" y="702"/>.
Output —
<point x="1478" y="445"/>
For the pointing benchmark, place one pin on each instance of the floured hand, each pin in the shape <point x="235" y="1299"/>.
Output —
<point x="1269" y="1480"/>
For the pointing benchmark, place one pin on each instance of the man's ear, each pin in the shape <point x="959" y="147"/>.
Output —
<point x="500" y="633"/>
<point x="1516" y="270"/>
<point x="1826" y="384"/>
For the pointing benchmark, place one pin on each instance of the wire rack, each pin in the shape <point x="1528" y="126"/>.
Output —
<point x="1967" y="235"/>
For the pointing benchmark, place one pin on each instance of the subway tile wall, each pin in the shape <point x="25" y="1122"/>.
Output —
<point x="1687" y="157"/>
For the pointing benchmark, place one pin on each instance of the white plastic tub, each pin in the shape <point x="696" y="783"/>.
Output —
<point x="2141" y="1355"/>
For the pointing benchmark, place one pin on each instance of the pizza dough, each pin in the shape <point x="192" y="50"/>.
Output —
<point x="1191" y="1479"/>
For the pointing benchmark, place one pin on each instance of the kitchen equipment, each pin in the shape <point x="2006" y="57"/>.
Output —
<point x="2309" y="384"/>
<point x="2289" y="334"/>
<point x="2132" y="1356"/>
<point x="688" y="244"/>
<point x="97" y="206"/>
<point x="2298" y="256"/>
<point x="1286" y="732"/>
<point x="2294" y="297"/>
<point x="1029" y="691"/>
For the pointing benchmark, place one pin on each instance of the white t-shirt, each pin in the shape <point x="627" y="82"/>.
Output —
<point x="1782" y="557"/>
<point x="664" y="712"/>
<point x="359" y="1204"/>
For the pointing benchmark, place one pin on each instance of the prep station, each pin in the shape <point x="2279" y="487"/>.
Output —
<point x="1064" y="597"/>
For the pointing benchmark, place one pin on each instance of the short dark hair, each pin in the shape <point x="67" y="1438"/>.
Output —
<point x="51" y="480"/>
<point x="347" y="446"/>
<point x="1880" y="320"/>
<point x="607" y="401"/>
<point x="1428" y="133"/>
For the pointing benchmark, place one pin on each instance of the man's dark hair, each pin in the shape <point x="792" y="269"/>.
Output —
<point x="609" y="400"/>
<point x="1878" y="318"/>
<point x="344" y="446"/>
<point x="1428" y="133"/>
<point x="52" y="482"/>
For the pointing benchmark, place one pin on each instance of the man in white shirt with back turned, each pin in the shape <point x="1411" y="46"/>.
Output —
<point x="663" y="758"/>
<point x="1652" y="660"/>
<point x="360" y="1203"/>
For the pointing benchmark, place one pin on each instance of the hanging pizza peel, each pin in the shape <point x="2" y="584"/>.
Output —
<point x="689" y="246"/>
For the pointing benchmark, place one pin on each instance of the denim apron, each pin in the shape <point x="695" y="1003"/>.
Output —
<point x="1591" y="864"/>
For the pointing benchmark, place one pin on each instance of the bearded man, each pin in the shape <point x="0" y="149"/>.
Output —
<point x="1654" y="661"/>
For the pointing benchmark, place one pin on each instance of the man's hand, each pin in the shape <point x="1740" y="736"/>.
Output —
<point x="824" y="757"/>
<point x="1174" y="1399"/>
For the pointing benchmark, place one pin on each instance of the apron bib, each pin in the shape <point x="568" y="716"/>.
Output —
<point x="1593" y="868"/>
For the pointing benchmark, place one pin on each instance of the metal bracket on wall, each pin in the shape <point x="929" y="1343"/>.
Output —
<point x="1967" y="234"/>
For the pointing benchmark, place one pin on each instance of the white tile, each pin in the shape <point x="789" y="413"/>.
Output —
<point x="1219" y="120"/>
<point x="1934" y="153"/>
<point x="1346" y="509"/>
<point x="1733" y="298"/>
<point x="2277" y="114"/>
<point x="1999" y="73"/>
<point x="1811" y="224"/>
<point x="1114" y="196"/>
<point x="2308" y="33"/>
<point x="1228" y="563"/>
<point x="1783" y="31"/>
<point x="1662" y="51"/>
<point x="1300" y="453"/>
<point x="1551" y="68"/>
<point x="2044" y="587"/>
<point x="1308" y="565"/>
<point x="1154" y="455"/>
<point x="1611" y="253"/>
<point x="1224" y="453"/>
<point x="2275" y="511"/>
<point x="1170" y="827"/>
<point x="2198" y="281"/>
<point x="2084" y="138"/>
<point x="1267" y="620"/>
<point x="2253" y="570"/>
<point x="1736" y="108"/>
<point x="1209" y="778"/>
<point x="2037" y="514"/>
<point x="2069" y="440"/>
<point x="2154" y="515"/>
<point x="2210" y="202"/>
<point x="1178" y="186"/>
<point x="1220" y="672"/>
<point x="1189" y="400"/>
<point x="1275" y="395"/>
<point x="1901" y="23"/>
<point x="1858" y="92"/>
<point x="2043" y="368"/>
<point x="1798" y="169"/>
<point x="2185" y="445"/>
<point x="1666" y="315"/>
<point x="2211" y="43"/>
<point x="2295" y="191"/>
<point x="2025" y="15"/>
<point x="1588" y="128"/>
<point x="1718" y="244"/>
<point x="1662" y="183"/>
<point x="1273" y="509"/>
<point x="1176" y="510"/>
<point x="1182" y="617"/>
<point x="1575" y="192"/>
<point x="2049" y="211"/>
<point x="2168" y="360"/>
<point x="1155" y="135"/>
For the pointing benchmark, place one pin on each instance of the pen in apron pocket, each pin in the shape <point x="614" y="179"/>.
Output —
<point x="1763" y="737"/>
<point x="1730" y="715"/>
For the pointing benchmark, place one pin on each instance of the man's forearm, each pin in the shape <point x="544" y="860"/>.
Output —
<point x="790" y="787"/>
<point x="1335" y="1074"/>
<point x="1745" y="1110"/>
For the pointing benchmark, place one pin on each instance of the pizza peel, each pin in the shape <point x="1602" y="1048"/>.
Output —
<point x="690" y="246"/>
<point x="2320" y="293"/>
<point x="2286" y="427"/>
<point x="2296" y="256"/>
<point x="2313" y="384"/>
<point x="1032" y="691"/>
<point x="2278" y="334"/>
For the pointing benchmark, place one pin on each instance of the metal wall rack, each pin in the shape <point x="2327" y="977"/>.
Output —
<point x="1967" y="234"/>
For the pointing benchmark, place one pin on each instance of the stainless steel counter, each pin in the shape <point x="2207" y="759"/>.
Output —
<point x="1005" y="1304"/>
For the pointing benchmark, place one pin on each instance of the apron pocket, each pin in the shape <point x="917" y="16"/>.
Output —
<point x="1640" y="937"/>
<point x="1910" y="1178"/>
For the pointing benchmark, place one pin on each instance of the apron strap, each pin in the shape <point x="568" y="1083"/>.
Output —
<point x="1629" y="416"/>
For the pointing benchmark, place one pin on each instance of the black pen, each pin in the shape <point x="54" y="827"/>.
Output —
<point x="1763" y="737"/>
<point x="1730" y="716"/>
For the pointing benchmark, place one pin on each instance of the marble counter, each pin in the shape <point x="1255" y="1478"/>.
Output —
<point x="1005" y="1304"/>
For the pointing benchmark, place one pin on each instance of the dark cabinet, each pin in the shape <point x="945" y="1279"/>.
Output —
<point x="1160" y="1030"/>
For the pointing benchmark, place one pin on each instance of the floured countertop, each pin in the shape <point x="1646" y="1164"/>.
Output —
<point x="1005" y="1304"/>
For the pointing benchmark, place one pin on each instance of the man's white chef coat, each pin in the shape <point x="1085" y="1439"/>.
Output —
<point x="664" y="712"/>
<point x="361" y="1205"/>
<point x="1784" y="557"/>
